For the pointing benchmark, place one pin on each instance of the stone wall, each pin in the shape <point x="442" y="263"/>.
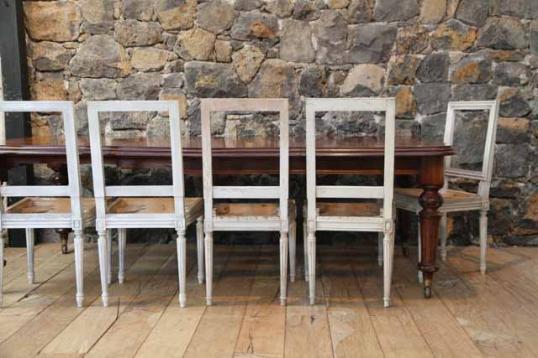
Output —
<point x="423" y="52"/>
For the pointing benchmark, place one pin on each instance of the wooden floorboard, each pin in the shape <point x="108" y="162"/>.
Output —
<point x="469" y="315"/>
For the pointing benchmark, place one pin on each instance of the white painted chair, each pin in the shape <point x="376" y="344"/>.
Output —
<point x="457" y="200"/>
<point x="358" y="217"/>
<point x="248" y="216"/>
<point x="142" y="206"/>
<point x="49" y="207"/>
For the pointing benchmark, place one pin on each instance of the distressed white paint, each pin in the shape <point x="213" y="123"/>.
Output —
<point x="74" y="219"/>
<point x="178" y="220"/>
<point x="214" y="222"/>
<point x="383" y="223"/>
<point x="480" y="201"/>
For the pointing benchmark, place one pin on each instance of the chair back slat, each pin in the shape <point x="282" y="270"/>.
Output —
<point x="102" y="192"/>
<point x="485" y="174"/>
<point x="73" y="188"/>
<point x="314" y="191"/>
<point x="211" y="192"/>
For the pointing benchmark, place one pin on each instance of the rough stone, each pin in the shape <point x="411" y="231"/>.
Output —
<point x="223" y="51"/>
<point x="363" y="80"/>
<point x="141" y="86"/>
<point x="197" y="44"/>
<point x="511" y="74"/>
<point x="137" y="10"/>
<point x="453" y="35"/>
<point x="123" y="121"/>
<point x="433" y="127"/>
<point x="296" y="42"/>
<point x="100" y="56"/>
<point x="412" y="40"/>
<point x="511" y="160"/>
<point x="174" y="80"/>
<point x="247" y="61"/>
<point x="395" y="10"/>
<point x="513" y="130"/>
<point x="206" y="79"/>
<point x="280" y="8"/>
<point x="305" y="10"/>
<point x="52" y="20"/>
<point x="159" y="128"/>
<point x="175" y="94"/>
<point x="370" y="43"/>
<point x="360" y="11"/>
<point x="149" y="58"/>
<point x="100" y="89"/>
<point x="534" y="37"/>
<point x="406" y="106"/>
<point x="49" y="56"/>
<point x="402" y="70"/>
<point x="330" y="33"/>
<point x="338" y="4"/>
<point x="137" y="33"/>
<point x="432" y="11"/>
<point x="215" y="16"/>
<point x="275" y="79"/>
<point x="472" y="12"/>
<point x="512" y="103"/>
<point x="255" y="25"/>
<point x="247" y="5"/>
<point x="49" y="86"/>
<point x="474" y="92"/>
<point x="471" y="69"/>
<point x="98" y="15"/>
<point x="434" y="68"/>
<point x="176" y="14"/>
<point x="432" y="97"/>
<point x="313" y="82"/>
<point x="503" y="33"/>
<point x="516" y="8"/>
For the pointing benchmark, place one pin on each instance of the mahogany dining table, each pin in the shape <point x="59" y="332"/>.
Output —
<point x="237" y="156"/>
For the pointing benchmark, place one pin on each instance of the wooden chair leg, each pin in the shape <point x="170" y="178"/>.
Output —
<point x="79" y="266"/>
<point x="388" y="253"/>
<point x="380" y="249"/>
<point x="209" y="267"/>
<point x="305" y="248"/>
<point x="443" y="237"/>
<point x="30" y="240"/>
<point x="109" y="256"/>
<point x="2" y="236"/>
<point x="312" y="266"/>
<point x="483" y="239"/>
<point x="283" y="267"/>
<point x="200" y="248"/>
<point x="181" y="265"/>
<point x="292" y="249"/>
<point x="122" y="241"/>
<point x="101" y="243"/>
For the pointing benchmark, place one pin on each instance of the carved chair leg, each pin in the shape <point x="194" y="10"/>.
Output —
<point x="181" y="265"/>
<point x="305" y="249"/>
<point x="292" y="249"/>
<point x="442" y="236"/>
<point x="200" y="248"/>
<point x="79" y="266"/>
<point x="483" y="239"/>
<point x="209" y="267"/>
<point x="101" y="243"/>
<point x="312" y="266"/>
<point x="420" y="275"/>
<point x="122" y="241"/>
<point x="2" y="238"/>
<point x="380" y="249"/>
<point x="30" y="240"/>
<point x="109" y="256"/>
<point x="388" y="253"/>
<point x="283" y="267"/>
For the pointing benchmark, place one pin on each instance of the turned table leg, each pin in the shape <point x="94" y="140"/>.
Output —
<point x="431" y="179"/>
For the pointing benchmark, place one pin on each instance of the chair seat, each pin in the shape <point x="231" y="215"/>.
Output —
<point x="249" y="216"/>
<point x="453" y="200"/>
<point x="49" y="212"/>
<point x="335" y="216"/>
<point x="348" y="209"/>
<point x="156" y="205"/>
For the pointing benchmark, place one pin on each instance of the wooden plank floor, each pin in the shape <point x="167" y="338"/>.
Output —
<point x="469" y="315"/>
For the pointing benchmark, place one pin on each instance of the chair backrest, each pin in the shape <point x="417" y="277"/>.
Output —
<point x="102" y="191"/>
<point x="315" y="191"/>
<point x="484" y="176"/>
<point x="211" y="192"/>
<point x="72" y="189"/>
